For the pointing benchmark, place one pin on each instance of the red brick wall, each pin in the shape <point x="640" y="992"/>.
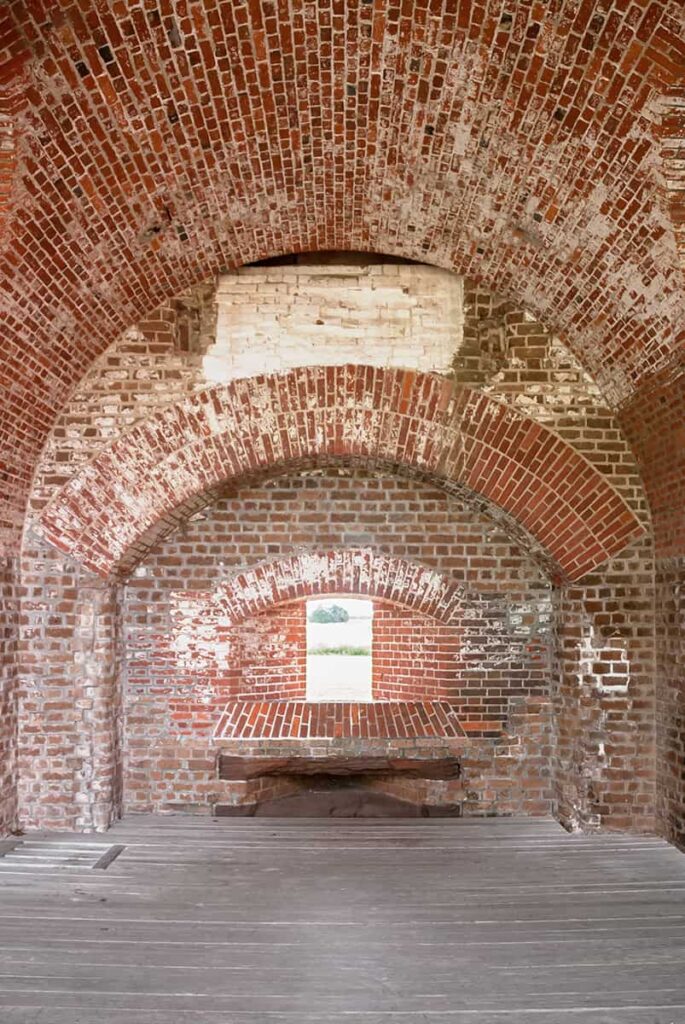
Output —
<point x="515" y="358"/>
<point x="476" y="663"/>
<point x="670" y="631"/>
<point x="9" y="622"/>
<point x="272" y="653"/>
<point x="69" y="697"/>
<point x="506" y="622"/>
<point x="579" y="232"/>
<point x="586" y="234"/>
<point x="655" y="425"/>
<point x="467" y="663"/>
<point x="187" y="674"/>
<point x="506" y="635"/>
<point x="423" y="423"/>
<point x="414" y="657"/>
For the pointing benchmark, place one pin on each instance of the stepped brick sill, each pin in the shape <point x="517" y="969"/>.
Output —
<point x="302" y="720"/>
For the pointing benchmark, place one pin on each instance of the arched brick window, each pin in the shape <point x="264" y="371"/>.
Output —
<point x="241" y="653"/>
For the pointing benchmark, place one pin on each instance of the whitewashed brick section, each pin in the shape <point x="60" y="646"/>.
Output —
<point x="276" y="318"/>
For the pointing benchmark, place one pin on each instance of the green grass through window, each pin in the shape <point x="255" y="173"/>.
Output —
<point x="343" y="649"/>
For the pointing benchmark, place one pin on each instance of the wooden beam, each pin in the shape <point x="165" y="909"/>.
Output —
<point x="236" y="768"/>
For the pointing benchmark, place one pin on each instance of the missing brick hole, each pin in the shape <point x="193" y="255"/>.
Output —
<point x="157" y="227"/>
<point x="106" y="54"/>
<point x="173" y="34"/>
<point x="151" y="232"/>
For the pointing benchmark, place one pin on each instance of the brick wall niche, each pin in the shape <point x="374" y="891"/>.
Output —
<point x="546" y="695"/>
<point x="473" y="678"/>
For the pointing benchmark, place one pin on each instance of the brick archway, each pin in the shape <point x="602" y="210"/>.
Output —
<point x="405" y="418"/>
<point x="275" y="707"/>
<point x="358" y="571"/>
<point x="501" y="189"/>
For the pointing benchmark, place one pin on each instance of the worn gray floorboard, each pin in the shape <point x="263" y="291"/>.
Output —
<point x="342" y="922"/>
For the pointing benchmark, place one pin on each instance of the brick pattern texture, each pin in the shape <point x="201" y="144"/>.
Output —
<point x="8" y="697"/>
<point x="440" y="573"/>
<point x="297" y="720"/>
<point x="516" y="143"/>
<point x="534" y="148"/>
<point x="397" y="417"/>
<point x="605" y="673"/>
<point x="69" y="698"/>
<point x="670" y="625"/>
<point x="537" y="720"/>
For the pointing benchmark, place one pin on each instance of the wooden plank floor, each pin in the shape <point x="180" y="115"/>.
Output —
<point x="342" y="922"/>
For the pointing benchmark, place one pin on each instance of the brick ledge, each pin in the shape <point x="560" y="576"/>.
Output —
<point x="303" y="720"/>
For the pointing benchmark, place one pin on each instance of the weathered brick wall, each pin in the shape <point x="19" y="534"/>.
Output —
<point x="670" y="629"/>
<point x="175" y="691"/>
<point x="150" y="365"/>
<point x="9" y="624"/>
<point x="184" y="663"/>
<point x="505" y="354"/>
<point x="510" y="774"/>
<point x="493" y="655"/>
<point x="272" y="655"/>
<point x="422" y="148"/>
<point x="512" y="356"/>
<point x="69" y="707"/>
<point x="654" y="424"/>
<point x="604" y="695"/>
<point x="210" y="137"/>
<point x="354" y="309"/>
<point x="551" y="497"/>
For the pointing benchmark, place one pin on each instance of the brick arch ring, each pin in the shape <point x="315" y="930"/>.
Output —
<point x="421" y="421"/>
<point x="361" y="572"/>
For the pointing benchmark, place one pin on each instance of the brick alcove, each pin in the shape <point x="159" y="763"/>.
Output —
<point x="132" y="694"/>
<point x="509" y="505"/>
<point x="132" y="199"/>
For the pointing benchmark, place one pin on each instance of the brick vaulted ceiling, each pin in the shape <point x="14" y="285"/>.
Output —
<point x="146" y="145"/>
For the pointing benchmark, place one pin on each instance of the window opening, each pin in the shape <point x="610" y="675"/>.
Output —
<point x="339" y="638"/>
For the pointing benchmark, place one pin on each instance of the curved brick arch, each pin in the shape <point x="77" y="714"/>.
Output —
<point x="15" y="58"/>
<point x="539" y="184"/>
<point x="7" y="163"/>
<point x="421" y="420"/>
<point x="359" y="571"/>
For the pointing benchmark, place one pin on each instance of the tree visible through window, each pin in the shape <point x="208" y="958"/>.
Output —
<point x="339" y="637"/>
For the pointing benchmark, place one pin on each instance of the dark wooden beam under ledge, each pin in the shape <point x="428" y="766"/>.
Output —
<point x="237" y="768"/>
